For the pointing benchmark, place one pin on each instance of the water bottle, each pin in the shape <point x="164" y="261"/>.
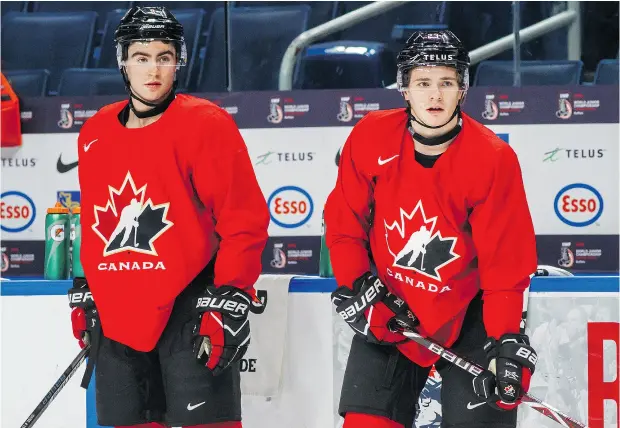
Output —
<point x="325" y="264"/>
<point x="56" y="243"/>
<point x="76" y="242"/>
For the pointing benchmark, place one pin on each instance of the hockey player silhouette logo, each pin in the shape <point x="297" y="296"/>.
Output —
<point x="128" y="223"/>
<point x="422" y="248"/>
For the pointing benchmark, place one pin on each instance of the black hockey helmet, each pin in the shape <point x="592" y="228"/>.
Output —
<point x="428" y="49"/>
<point x="432" y="48"/>
<point x="149" y="24"/>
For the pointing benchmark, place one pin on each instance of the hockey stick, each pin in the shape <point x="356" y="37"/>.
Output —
<point x="60" y="383"/>
<point x="476" y="370"/>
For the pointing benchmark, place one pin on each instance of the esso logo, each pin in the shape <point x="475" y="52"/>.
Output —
<point x="290" y="207"/>
<point x="578" y="205"/>
<point x="17" y="211"/>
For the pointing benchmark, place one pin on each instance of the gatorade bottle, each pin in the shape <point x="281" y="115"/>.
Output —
<point x="325" y="264"/>
<point x="56" y="243"/>
<point x="76" y="242"/>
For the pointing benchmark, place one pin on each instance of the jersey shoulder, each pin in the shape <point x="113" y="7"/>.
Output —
<point x="378" y="133"/>
<point x="209" y="126"/>
<point x="383" y="119"/>
<point x="379" y="128"/>
<point x="102" y="118"/>
<point x="201" y="108"/>
<point x="488" y="147"/>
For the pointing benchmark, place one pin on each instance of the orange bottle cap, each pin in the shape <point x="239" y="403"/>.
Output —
<point x="58" y="209"/>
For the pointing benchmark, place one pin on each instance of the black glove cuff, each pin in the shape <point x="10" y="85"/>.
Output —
<point x="490" y="348"/>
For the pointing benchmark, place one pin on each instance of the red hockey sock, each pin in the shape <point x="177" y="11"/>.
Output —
<point x="362" y="420"/>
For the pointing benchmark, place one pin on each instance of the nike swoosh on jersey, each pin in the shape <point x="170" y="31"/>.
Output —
<point x="191" y="407"/>
<point x="87" y="146"/>
<point x="384" y="161"/>
<point x="473" y="406"/>
<point x="65" y="167"/>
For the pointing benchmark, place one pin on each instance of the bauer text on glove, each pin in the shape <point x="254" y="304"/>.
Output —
<point x="369" y="307"/>
<point x="511" y="365"/>
<point x="222" y="333"/>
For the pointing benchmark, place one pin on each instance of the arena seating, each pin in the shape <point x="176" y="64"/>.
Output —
<point x="79" y="35"/>
<point x="54" y="41"/>
<point x="29" y="83"/>
<point x="533" y="73"/>
<point x="256" y="51"/>
<point x="607" y="72"/>
<point x="93" y="81"/>
<point x="346" y="65"/>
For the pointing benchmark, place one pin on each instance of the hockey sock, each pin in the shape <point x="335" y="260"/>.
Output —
<point x="362" y="420"/>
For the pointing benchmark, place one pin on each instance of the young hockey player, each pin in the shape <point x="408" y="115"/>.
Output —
<point x="173" y="227"/>
<point x="429" y="222"/>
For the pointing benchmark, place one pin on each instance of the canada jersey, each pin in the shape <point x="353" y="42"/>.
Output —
<point x="157" y="203"/>
<point x="436" y="235"/>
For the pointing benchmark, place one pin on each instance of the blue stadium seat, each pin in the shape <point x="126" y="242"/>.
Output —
<point x="206" y="5"/>
<point x="106" y="56"/>
<point x="191" y="19"/>
<point x="91" y="82"/>
<point x="28" y="83"/>
<point x="12" y="6"/>
<point x="257" y="47"/>
<point x="380" y="28"/>
<point x="320" y="11"/>
<point x="101" y="7"/>
<point x="55" y="41"/>
<point x="346" y="65"/>
<point x="533" y="73"/>
<point x="607" y="72"/>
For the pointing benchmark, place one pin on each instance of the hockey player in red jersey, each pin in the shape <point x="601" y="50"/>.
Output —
<point x="428" y="222"/>
<point x="173" y="227"/>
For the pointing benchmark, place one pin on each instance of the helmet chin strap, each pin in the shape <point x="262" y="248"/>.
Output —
<point x="157" y="108"/>
<point x="438" y="139"/>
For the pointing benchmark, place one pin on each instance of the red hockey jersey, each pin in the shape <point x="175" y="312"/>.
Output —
<point x="157" y="203"/>
<point x="436" y="235"/>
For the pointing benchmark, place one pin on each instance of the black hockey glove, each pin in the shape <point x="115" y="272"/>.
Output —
<point x="84" y="315"/>
<point x="222" y="333"/>
<point x="369" y="307"/>
<point x="511" y="365"/>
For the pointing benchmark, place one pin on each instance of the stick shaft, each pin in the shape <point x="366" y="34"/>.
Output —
<point x="56" y="388"/>
<point x="476" y="370"/>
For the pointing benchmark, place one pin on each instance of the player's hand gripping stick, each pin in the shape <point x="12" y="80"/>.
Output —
<point x="464" y="364"/>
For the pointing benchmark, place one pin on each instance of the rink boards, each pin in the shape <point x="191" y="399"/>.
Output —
<point x="294" y="369"/>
